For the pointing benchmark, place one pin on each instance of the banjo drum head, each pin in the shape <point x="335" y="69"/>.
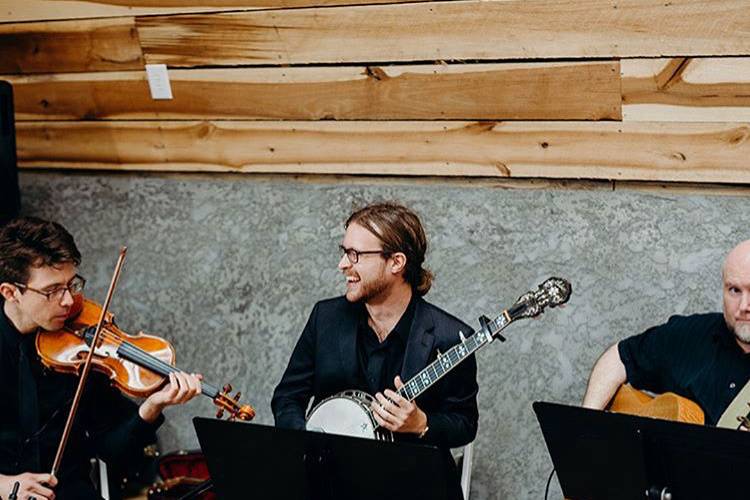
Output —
<point x="342" y="415"/>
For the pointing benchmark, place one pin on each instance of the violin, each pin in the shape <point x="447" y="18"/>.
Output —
<point x="136" y="364"/>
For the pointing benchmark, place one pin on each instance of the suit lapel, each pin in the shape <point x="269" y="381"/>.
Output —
<point x="421" y="340"/>
<point x="348" y="343"/>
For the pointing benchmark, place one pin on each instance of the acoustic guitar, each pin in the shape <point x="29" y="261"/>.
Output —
<point x="667" y="406"/>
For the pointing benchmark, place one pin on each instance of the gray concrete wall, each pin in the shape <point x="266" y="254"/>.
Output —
<point x="228" y="268"/>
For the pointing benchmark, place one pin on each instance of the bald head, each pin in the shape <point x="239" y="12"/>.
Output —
<point x="737" y="258"/>
<point x="735" y="274"/>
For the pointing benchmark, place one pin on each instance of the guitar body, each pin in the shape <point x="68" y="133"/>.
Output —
<point x="667" y="406"/>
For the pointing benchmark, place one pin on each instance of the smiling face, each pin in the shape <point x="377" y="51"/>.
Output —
<point x="34" y="310"/>
<point x="736" y="286"/>
<point x="369" y="278"/>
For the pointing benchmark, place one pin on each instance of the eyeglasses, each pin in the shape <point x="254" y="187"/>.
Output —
<point x="75" y="286"/>
<point x="353" y="255"/>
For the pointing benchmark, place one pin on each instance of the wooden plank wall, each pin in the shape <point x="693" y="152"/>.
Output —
<point x="626" y="90"/>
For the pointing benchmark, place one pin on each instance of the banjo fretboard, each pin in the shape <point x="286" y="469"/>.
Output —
<point x="455" y="355"/>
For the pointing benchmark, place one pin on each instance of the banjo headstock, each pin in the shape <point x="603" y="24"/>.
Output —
<point x="552" y="293"/>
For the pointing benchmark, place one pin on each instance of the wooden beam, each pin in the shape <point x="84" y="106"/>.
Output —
<point x="455" y="30"/>
<point x="686" y="89"/>
<point x="683" y="188"/>
<point x="547" y="91"/>
<point x="95" y="45"/>
<point x="50" y="10"/>
<point x="688" y="152"/>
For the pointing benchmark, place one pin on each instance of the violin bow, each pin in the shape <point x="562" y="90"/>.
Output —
<point x="87" y="364"/>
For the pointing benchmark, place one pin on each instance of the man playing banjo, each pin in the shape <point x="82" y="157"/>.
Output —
<point x="380" y="333"/>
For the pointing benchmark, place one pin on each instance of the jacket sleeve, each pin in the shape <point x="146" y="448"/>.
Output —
<point x="292" y="396"/>
<point x="455" y="420"/>
<point x="116" y="431"/>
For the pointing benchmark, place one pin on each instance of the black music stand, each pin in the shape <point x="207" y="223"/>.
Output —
<point x="256" y="461"/>
<point x="602" y="455"/>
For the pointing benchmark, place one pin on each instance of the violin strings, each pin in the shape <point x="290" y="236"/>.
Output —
<point x="142" y="358"/>
<point x="138" y="356"/>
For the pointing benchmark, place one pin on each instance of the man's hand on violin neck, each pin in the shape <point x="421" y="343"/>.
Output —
<point x="29" y="485"/>
<point x="181" y="388"/>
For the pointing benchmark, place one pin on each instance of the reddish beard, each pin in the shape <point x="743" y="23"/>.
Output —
<point x="368" y="289"/>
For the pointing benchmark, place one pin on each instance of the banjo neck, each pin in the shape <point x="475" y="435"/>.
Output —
<point x="448" y="360"/>
<point x="552" y="293"/>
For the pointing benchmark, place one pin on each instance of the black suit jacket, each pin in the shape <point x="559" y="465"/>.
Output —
<point x="107" y="424"/>
<point x="325" y="362"/>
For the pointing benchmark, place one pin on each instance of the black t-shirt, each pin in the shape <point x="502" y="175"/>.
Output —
<point x="694" y="356"/>
<point x="107" y="423"/>
<point x="380" y="362"/>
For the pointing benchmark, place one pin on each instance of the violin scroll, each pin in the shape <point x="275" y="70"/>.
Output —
<point x="226" y="402"/>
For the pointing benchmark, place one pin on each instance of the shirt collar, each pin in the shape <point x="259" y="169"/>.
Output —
<point x="8" y="332"/>
<point x="724" y="336"/>
<point x="9" y="335"/>
<point x="403" y="326"/>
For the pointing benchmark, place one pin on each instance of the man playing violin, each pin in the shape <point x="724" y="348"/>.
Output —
<point x="380" y="332"/>
<point x="38" y="284"/>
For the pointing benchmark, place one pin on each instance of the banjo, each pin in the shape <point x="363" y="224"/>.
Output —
<point x="348" y="413"/>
